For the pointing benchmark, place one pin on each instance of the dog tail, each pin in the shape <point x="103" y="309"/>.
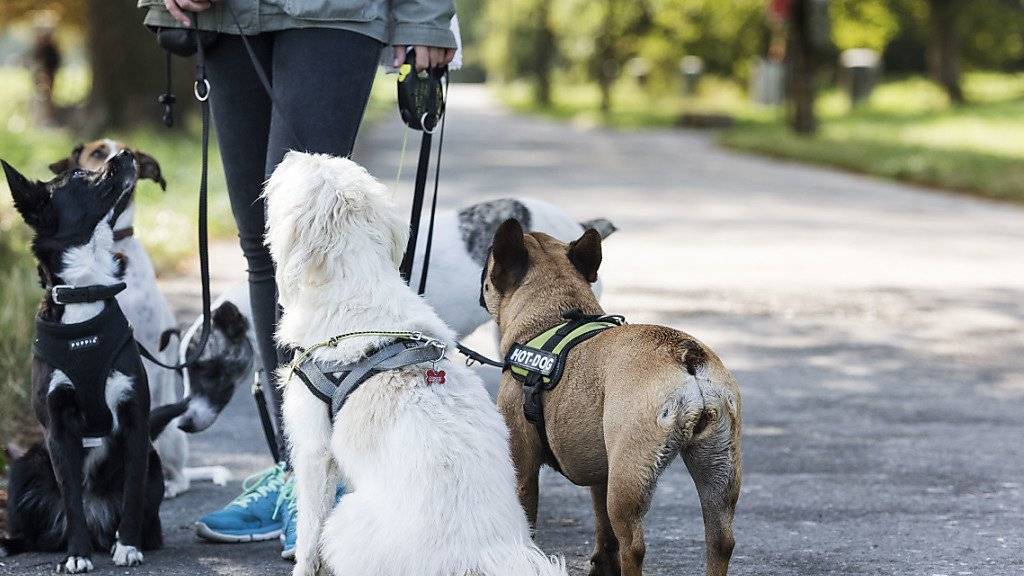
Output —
<point x="692" y="407"/>
<point x="161" y="416"/>
<point x="12" y="546"/>
<point x="603" y="226"/>
<point x="524" y="559"/>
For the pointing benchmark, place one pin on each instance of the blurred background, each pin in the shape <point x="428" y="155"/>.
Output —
<point x="929" y="92"/>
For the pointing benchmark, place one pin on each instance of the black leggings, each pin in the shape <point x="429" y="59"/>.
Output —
<point x="321" y="80"/>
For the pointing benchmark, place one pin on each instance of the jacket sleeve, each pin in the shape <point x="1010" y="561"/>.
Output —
<point x="422" y="23"/>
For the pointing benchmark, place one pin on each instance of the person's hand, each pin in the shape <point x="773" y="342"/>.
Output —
<point x="426" y="56"/>
<point x="177" y="8"/>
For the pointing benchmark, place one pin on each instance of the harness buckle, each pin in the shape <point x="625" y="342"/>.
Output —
<point x="53" y="293"/>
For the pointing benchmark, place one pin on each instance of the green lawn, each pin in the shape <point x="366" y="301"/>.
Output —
<point x="908" y="131"/>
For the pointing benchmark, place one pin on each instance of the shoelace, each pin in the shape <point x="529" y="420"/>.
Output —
<point x="286" y="497"/>
<point x="259" y="485"/>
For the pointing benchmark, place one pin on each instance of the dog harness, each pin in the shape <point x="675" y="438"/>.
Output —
<point x="333" y="382"/>
<point x="88" y="352"/>
<point x="539" y="363"/>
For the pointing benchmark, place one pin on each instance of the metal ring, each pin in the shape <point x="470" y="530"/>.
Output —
<point x="423" y="123"/>
<point x="206" y="91"/>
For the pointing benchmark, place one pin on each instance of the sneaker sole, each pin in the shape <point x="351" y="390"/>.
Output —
<point x="205" y="532"/>
<point x="288" y="554"/>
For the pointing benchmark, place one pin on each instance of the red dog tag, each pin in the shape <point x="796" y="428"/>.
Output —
<point x="435" y="376"/>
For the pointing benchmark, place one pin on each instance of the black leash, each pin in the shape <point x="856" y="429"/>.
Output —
<point x="266" y="420"/>
<point x="422" y="102"/>
<point x="201" y="89"/>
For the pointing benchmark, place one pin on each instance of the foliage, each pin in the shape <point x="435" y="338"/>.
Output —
<point x="862" y="24"/>
<point x="69" y="12"/>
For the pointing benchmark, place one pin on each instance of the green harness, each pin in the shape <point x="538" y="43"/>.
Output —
<point x="539" y="364"/>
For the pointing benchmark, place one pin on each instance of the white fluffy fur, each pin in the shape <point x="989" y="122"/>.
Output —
<point x="430" y="483"/>
<point x="150" y="315"/>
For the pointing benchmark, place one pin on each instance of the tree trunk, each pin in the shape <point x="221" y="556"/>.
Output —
<point x="128" y="69"/>
<point x="606" y="66"/>
<point x="545" y="52"/>
<point x="801" y="70"/>
<point x="944" y="51"/>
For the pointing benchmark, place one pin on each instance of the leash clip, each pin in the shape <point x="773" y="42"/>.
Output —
<point x="206" y="90"/>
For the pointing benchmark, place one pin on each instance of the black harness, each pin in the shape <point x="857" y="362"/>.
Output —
<point x="540" y="363"/>
<point x="334" y="382"/>
<point x="88" y="352"/>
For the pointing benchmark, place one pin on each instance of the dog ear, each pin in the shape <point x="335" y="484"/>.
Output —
<point x="64" y="164"/>
<point x="230" y="320"/>
<point x="511" y="260"/>
<point x="29" y="197"/>
<point x="149" y="168"/>
<point x="585" y="254"/>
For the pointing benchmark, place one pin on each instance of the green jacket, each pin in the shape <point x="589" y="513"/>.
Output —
<point x="408" y="22"/>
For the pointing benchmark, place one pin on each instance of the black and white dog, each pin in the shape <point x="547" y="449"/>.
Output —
<point x="98" y="482"/>
<point x="142" y="302"/>
<point x="461" y="241"/>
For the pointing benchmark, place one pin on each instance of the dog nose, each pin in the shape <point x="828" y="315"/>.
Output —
<point x="187" y="426"/>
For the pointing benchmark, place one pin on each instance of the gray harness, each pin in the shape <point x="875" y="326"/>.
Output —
<point x="334" y="382"/>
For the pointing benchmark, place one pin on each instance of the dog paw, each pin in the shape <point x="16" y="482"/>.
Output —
<point x="306" y="569"/>
<point x="123" y="555"/>
<point x="220" y="475"/>
<point x="75" y="565"/>
<point x="174" y="488"/>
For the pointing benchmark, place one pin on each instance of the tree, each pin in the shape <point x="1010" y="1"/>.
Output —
<point x="801" y="68"/>
<point x="944" y="47"/>
<point x="126" y="66"/>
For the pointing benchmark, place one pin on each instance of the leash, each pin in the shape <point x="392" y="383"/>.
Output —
<point x="201" y="90"/>
<point x="266" y="420"/>
<point x="422" y="102"/>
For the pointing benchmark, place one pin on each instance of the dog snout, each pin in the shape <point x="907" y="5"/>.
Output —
<point x="187" y="425"/>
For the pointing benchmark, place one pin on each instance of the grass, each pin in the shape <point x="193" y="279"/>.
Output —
<point x="908" y="131"/>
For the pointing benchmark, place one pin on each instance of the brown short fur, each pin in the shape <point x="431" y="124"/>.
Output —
<point x="92" y="157"/>
<point x="630" y="399"/>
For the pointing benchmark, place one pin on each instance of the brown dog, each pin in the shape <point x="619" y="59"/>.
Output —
<point x="630" y="399"/>
<point x="93" y="156"/>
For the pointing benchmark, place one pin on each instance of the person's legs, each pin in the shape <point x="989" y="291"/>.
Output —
<point x="241" y="116"/>
<point x="322" y="81"/>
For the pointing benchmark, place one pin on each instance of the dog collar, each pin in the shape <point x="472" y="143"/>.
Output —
<point x="123" y="233"/>
<point x="62" y="294"/>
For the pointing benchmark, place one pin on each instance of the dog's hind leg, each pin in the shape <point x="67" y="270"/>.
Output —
<point x="64" y="443"/>
<point x="605" y="561"/>
<point x="131" y="409"/>
<point x="713" y="461"/>
<point x="631" y="484"/>
<point x="316" y="477"/>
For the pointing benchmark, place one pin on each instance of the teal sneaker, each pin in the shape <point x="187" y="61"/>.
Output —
<point x="252" y="516"/>
<point x="287" y="504"/>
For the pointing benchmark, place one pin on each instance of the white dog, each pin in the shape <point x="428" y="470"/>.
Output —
<point x="431" y="489"/>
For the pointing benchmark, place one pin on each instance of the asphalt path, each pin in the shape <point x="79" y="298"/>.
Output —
<point x="875" y="330"/>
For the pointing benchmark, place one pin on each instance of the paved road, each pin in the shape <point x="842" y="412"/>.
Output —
<point x="875" y="329"/>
